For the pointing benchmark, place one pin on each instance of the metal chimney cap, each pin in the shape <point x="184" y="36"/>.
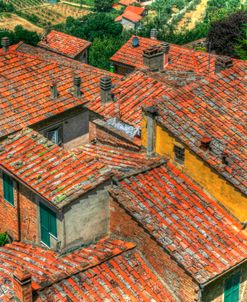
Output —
<point x="166" y="47"/>
<point x="106" y="83"/>
<point x="77" y="80"/>
<point x="153" y="33"/>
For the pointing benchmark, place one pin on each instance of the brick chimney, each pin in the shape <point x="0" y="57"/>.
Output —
<point x="151" y="112"/>
<point x="205" y="143"/>
<point x="153" y="34"/>
<point x="223" y="63"/>
<point x="22" y="285"/>
<point x="77" y="86"/>
<point x="105" y="89"/>
<point x="166" y="47"/>
<point x="5" y="44"/>
<point x="153" y="57"/>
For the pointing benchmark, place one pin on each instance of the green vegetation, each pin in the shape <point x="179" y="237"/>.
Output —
<point x="20" y="34"/>
<point x="103" y="5"/>
<point x="3" y="239"/>
<point x="6" y="7"/>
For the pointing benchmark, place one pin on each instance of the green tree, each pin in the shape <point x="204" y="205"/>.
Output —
<point x="30" y="37"/>
<point x="103" y="5"/>
<point x="241" y="47"/>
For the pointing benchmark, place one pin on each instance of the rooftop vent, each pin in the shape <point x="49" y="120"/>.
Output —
<point x="166" y="47"/>
<point x="154" y="33"/>
<point x="223" y="63"/>
<point x="105" y="89"/>
<point x="5" y="44"/>
<point x="77" y="86"/>
<point x="135" y="42"/>
<point x="225" y="158"/>
<point x="205" y="143"/>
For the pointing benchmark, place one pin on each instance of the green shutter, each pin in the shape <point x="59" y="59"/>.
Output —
<point x="232" y="286"/>
<point x="8" y="188"/>
<point x="48" y="224"/>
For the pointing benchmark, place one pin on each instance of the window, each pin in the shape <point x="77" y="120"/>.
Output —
<point x="48" y="224"/>
<point x="179" y="154"/>
<point x="232" y="284"/>
<point x="8" y="188"/>
<point x="55" y="135"/>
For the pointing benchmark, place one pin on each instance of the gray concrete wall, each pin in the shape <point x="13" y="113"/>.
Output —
<point x="128" y="24"/>
<point x="74" y="125"/>
<point x="87" y="219"/>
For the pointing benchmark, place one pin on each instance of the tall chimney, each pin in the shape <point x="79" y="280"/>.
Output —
<point x="5" y="44"/>
<point x="153" y="57"/>
<point x="105" y="89"/>
<point x="151" y="112"/>
<point x="166" y="47"/>
<point x="54" y="91"/>
<point x="223" y="63"/>
<point x="153" y="34"/>
<point x="77" y="86"/>
<point x="22" y="285"/>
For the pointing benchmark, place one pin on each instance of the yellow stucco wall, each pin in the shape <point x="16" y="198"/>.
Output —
<point x="207" y="178"/>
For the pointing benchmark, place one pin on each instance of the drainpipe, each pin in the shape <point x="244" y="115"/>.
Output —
<point x="18" y="210"/>
<point x="151" y="112"/>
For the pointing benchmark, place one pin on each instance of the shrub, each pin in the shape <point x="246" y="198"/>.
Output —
<point x="3" y="239"/>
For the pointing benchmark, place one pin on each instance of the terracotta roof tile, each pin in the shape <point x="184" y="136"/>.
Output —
<point x="133" y="17"/>
<point x="214" y="107"/>
<point x="126" y="277"/>
<point x="193" y="228"/>
<point x="127" y="2"/>
<point x="135" y="9"/>
<point x="48" y="267"/>
<point x="64" y="44"/>
<point x="25" y="82"/>
<point x="57" y="175"/>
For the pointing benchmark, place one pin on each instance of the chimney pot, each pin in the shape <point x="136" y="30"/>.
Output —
<point x="166" y="46"/>
<point x="205" y="142"/>
<point x="54" y="91"/>
<point x="5" y="44"/>
<point x="22" y="285"/>
<point x="105" y="87"/>
<point x="153" y="33"/>
<point x="77" y="86"/>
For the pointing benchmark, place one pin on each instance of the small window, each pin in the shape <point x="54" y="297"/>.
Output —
<point x="232" y="285"/>
<point x="179" y="154"/>
<point x="55" y="135"/>
<point x="8" y="188"/>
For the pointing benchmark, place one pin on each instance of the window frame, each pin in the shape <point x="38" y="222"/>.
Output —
<point x="8" y="182"/>
<point x="179" y="154"/>
<point x="236" y="275"/>
<point x="59" y="134"/>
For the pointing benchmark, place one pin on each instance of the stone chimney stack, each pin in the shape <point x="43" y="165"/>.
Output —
<point x="153" y="34"/>
<point x="77" y="86"/>
<point x="5" y="44"/>
<point x="22" y="285"/>
<point x="223" y="63"/>
<point x="54" y="91"/>
<point x="105" y="89"/>
<point x="151" y="112"/>
<point x="153" y="57"/>
<point x="166" y="47"/>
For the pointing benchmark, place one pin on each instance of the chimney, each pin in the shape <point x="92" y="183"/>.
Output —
<point x="105" y="89"/>
<point x="205" y="143"/>
<point x="153" y="57"/>
<point x="151" y="112"/>
<point x="223" y="63"/>
<point x="22" y="285"/>
<point x="77" y="86"/>
<point x="166" y="47"/>
<point x="5" y="44"/>
<point x="153" y="34"/>
<point x="54" y="91"/>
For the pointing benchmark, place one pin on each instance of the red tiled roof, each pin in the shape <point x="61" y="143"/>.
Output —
<point x="48" y="267"/>
<point x="193" y="228"/>
<point x="132" y="17"/>
<point x="116" y="158"/>
<point x="64" y="44"/>
<point x="130" y="94"/>
<point x="135" y="9"/>
<point x="55" y="174"/>
<point x="214" y="107"/>
<point x="180" y="58"/>
<point x="127" y="2"/>
<point x="118" y="18"/>
<point x="123" y="278"/>
<point x="25" y="82"/>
